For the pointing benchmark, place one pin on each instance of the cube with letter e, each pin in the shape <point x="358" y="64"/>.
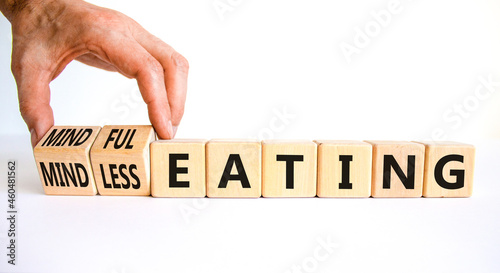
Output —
<point x="178" y="168"/>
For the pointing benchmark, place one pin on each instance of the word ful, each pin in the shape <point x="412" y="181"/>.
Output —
<point x="126" y="160"/>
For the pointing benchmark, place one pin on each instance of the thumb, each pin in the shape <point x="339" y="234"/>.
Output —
<point x="34" y="102"/>
<point x="39" y="119"/>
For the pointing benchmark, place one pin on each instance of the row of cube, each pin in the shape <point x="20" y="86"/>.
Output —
<point x="128" y="160"/>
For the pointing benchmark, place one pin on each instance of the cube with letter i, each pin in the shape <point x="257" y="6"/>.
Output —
<point x="397" y="168"/>
<point x="449" y="169"/>
<point x="289" y="168"/>
<point x="62" y="159"/>
<point x="120" y="159"/>
<point x="178" y="168"/>
<point x="344" y="168"/>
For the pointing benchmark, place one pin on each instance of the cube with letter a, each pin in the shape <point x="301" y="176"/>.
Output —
<point x="62" y="159"/>
<point x="449" y="169"/>
<point x="120" y="159"/>
<point x="397" y="169"/>
<point x="233" y="168"/>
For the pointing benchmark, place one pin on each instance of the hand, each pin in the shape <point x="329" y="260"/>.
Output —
<point x="47" y="35"/>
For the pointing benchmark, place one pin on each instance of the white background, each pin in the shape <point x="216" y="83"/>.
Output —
<point x="248" y="65"/>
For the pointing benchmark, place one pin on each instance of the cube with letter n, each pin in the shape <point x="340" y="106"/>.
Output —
<point x="397" y="169"/>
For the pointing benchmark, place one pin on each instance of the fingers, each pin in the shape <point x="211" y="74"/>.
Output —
<point x="95" y="61"/>
<point x="34" y="98"/>
<point x="134" y="61"/>
<point x="176" y="71"/>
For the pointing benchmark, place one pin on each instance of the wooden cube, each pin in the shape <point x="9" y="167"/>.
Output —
<point x="289" y="168"/>
<point x="398" y="169"/>
<point x="233" y="168"/>
<point x="63" y="162"/>
<point x="344" y="168"/>
<point x="449" y="169"/>
<point x="120" y="159"/>
<point x="178" y="168"/>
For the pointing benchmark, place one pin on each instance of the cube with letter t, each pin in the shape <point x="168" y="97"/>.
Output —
<point x="62" y="159"/>
<point x="289" y="168"/>
<point x="233" y="168"/>
<point x="120" y="159"/>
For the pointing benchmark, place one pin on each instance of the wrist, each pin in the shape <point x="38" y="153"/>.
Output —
<point x="21" y="10"/>
<point x="11" y="8"/>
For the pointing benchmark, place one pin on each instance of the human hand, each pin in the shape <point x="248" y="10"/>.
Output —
<point x="47" y="35"/>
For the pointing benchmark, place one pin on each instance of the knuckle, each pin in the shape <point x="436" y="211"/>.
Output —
<point x="25" y="61"/>
<point x="15" y="67"/>
<point x="106" y="23"/>
<point x="103" y="17"/>
<point x="18" y="63"/>
<point x="153" y="65"/>
<point x="26" y="109"/>
<point x="180" y="62"/>
<point x="34" y="111"/>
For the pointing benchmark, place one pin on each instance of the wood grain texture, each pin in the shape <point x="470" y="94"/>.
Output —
<point x="330" y="153"/>
<point x="120" y="159"/>
<point x="274" y="169"/>
<point x="453" y="164"/>
<point x="190" y="182"/>
<point x="224" y="155"/>
<point x="402" y="152"/>
<point x="63" y="160"/>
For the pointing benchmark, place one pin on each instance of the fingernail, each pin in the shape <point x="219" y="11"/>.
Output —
<point x="175" y="130"/>
<point x="34" y="137"/>
<point x="170" y="129"/>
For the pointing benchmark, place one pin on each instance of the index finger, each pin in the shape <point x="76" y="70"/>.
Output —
<point x="131" y="59"/>
<point x="176" y="72"/>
